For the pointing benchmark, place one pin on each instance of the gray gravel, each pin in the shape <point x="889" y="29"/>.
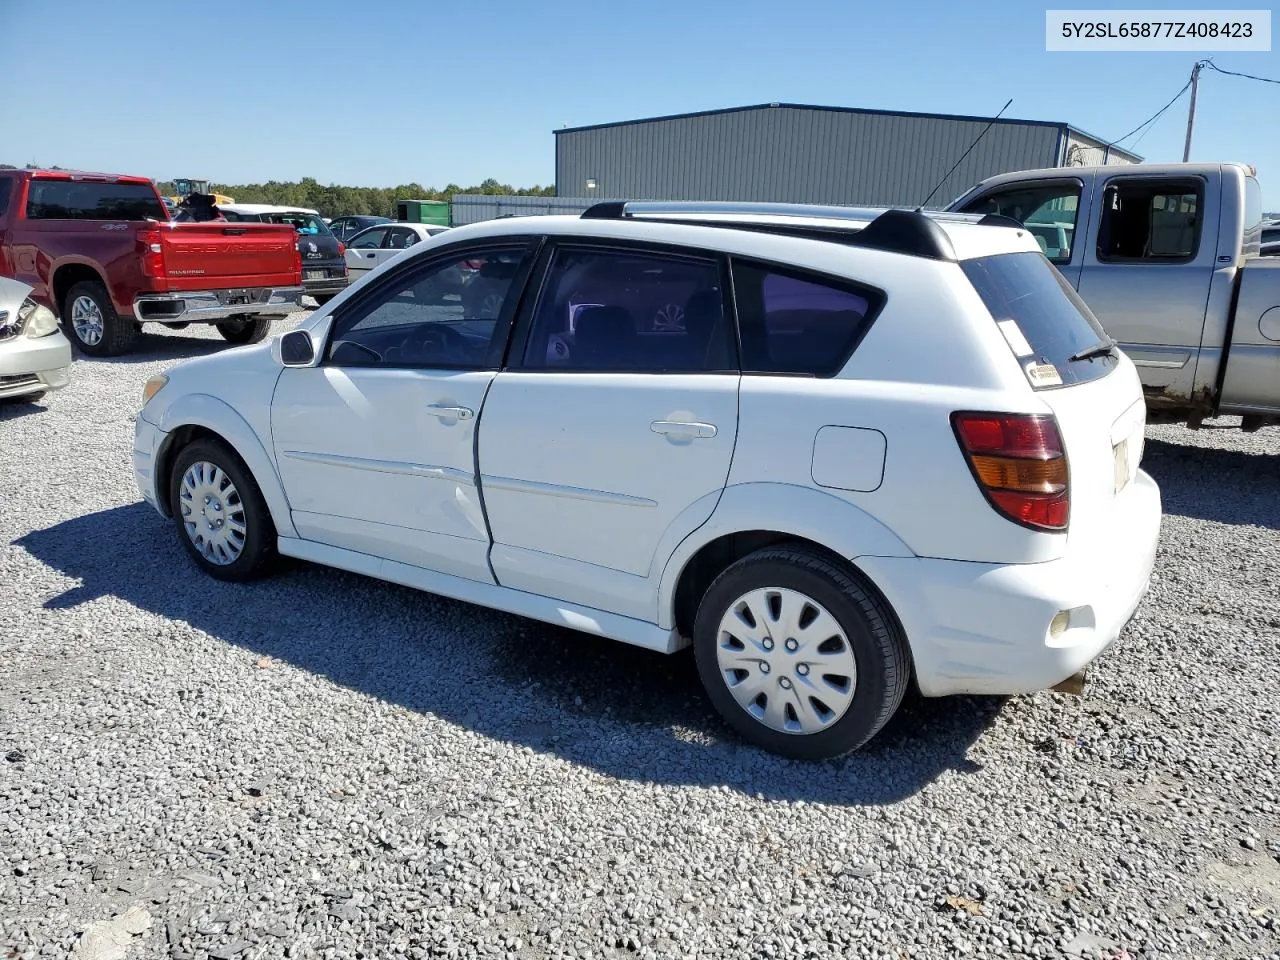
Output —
<point x="321" y="765"/>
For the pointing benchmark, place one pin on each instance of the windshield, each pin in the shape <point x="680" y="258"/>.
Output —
<point x="307" y="223"/>
<point x="1043" y="319"/>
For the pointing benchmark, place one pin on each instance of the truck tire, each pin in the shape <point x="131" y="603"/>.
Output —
<point x="322" y="298"/>
<point x="246" y="330"/>
<point x="92" y="323"/>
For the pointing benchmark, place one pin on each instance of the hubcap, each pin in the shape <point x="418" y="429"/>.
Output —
<point x="86" y="321"/>
<point x="212" y="513"/>
<point x="801" y="685"/>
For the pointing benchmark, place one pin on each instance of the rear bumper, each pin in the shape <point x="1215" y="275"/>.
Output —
<point x="327" y="285"/>
<point x="210" y="306"/>
<point x="984" y="628"/>
<point x="31" y="366"/>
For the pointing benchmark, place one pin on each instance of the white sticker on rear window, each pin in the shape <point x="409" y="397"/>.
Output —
<point x="1043" y="375"/>
<point x="1013" y="334"/>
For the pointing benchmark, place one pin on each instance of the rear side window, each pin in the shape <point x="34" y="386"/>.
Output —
<point x="1151" y="221"/>
<point x="1042" y="318"/>
<point x="77" y="200"/>
<point x="792" y="322"/>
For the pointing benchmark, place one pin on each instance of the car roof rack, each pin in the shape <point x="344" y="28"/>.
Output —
<point x="896" y="230"/>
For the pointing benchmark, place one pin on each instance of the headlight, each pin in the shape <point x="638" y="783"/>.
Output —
<point x="152" y="387"/>
<point x="36" y="321"/>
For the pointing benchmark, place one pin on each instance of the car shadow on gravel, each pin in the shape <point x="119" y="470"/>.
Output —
<point x="1209" y="483"/>
<point x="625" y="712"/>
<point x="150" y="347"/>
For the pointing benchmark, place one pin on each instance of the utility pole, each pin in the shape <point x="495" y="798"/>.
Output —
<point x="1191" y="114"/>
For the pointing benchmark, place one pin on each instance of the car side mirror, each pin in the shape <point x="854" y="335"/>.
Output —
<point x="297" y="349"/>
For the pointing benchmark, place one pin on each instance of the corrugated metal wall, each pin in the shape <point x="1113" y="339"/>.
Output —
<point x="1086" y="151"/>
<point x="797" y="155"/>
<point x="474" y="207"/>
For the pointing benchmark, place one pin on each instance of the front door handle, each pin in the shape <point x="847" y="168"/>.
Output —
<point x="682" y="428"/>
<point x="370" y="255"/>
<point x="450" y="413"/>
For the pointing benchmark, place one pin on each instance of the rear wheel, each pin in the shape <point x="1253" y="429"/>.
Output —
<point x="92" y="322"/>
<point x="245" y="330"/>
<point x="322" y="298"/>
<point x="220" y="513"/>
<point x="798" y="654"/>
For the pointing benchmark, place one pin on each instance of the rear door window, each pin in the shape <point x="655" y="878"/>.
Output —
<point x="1043" y="319"/>
<point x="78" y="200"/>
<point x="1151" y="221"/>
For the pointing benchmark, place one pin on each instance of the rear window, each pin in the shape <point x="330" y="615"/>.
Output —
<point x="307" y="223"/>
<point x="76" y="200"/>
<point x="1043" y="319"/>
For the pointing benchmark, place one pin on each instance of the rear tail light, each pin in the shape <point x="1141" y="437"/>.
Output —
<point x="1020" y="465"/>
<point x="297" y="258"/>
<point x="342" y="249"/>
<point x="152" y="244"/>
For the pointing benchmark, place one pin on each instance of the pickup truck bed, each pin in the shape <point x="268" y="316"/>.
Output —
<point x="101" y="252"/>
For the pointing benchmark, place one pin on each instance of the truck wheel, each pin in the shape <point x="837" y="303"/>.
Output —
<point x="798" y="654"/>
<point x="221" y="516"/>
<point x="92" y="322"/>
<point x="322" y="298"/>
<point x="248" y="330"/>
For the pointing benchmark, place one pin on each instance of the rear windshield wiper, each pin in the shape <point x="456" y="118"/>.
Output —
<point x="1103" y="348"/>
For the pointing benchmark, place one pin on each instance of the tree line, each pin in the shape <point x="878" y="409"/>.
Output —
<point x="335" y="200"/>
<point x="338" y="201"/>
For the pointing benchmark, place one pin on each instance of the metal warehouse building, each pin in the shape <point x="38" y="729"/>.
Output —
<point x="807" y="154"/>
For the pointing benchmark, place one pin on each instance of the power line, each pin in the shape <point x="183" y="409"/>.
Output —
<point x="1232" y="73"/>
<point x="1154" y="117"/>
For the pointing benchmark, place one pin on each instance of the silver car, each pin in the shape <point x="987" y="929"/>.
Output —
<point x="34" y="355"/>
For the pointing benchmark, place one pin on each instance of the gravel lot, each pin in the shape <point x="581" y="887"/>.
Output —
<point x="321" y="765"/>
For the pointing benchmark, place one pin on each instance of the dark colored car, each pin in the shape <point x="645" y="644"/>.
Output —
<point x="344" y="228"/>
<point x="324" y="264"/>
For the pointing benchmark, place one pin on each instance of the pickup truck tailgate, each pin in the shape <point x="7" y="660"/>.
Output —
<point x="203" y="256"/>
<point x="1252" y="358"/>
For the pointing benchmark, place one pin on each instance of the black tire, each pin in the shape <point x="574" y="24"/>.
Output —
<point x="247" y="330"/>
<point x="322" y="298"/>
<point x="879" y="648"/>
<point x="258" y="552"/>
<point x="118" y="332"/>
<point x="26" y="397"/>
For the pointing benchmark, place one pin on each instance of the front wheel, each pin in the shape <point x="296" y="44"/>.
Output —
<point x="798" y="654"/>
<point x="220" y="513"/>
<point x="247" y="330"/>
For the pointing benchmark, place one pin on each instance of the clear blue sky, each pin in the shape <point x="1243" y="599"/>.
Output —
<point x="383" y="92"/>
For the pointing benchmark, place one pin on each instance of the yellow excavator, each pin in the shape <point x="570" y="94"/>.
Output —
<point x="184" y="186"/>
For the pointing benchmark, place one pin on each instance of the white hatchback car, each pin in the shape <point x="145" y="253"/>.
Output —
<point x="833" y="449"/>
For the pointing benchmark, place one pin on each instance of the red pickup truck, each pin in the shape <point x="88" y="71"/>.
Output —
<point x="101" y="252"/>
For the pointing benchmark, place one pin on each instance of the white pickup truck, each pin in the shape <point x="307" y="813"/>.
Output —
<point x="1167" y="257"/>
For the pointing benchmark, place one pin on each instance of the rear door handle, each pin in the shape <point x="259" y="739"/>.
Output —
<point x="682" y="428"/>
<point x="450" y="413"/>
<point x="370" y="255"/>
